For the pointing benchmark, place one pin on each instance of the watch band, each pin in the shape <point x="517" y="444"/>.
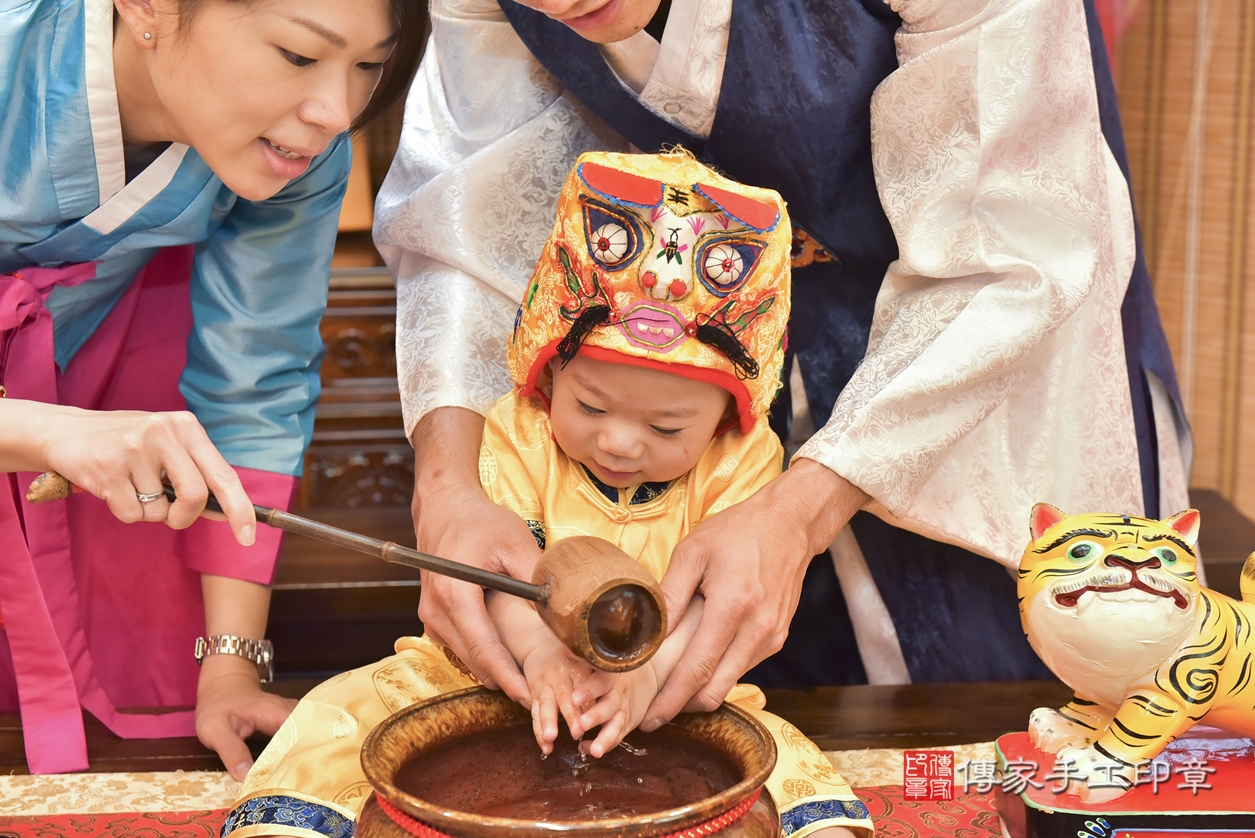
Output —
<point x="260" y="652"/>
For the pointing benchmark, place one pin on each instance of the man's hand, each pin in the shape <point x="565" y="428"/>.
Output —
<point x="748" y="561"/>
<point x="453" y="518"/>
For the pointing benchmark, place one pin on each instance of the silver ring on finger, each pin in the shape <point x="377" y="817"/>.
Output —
<point x="149" y="497"/>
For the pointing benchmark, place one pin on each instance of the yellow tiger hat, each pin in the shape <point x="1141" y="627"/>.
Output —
<point x="657" y="260"/>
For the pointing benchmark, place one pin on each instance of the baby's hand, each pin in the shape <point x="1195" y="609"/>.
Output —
<point x="553" y="673"/>
<point x="620" y="704"/>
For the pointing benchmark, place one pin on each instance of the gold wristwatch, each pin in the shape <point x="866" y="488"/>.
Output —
<point x="260" y="652"/>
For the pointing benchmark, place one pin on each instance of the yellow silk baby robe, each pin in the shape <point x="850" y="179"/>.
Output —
<point x="309" y="781"/>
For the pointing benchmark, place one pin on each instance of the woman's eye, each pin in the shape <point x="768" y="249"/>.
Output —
<point x="370" y="66"/>
<point x="666" y="431"/>
<point x="297" y="60"/>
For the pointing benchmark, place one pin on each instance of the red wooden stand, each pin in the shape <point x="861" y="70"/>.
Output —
<point x="1226" y="809"/>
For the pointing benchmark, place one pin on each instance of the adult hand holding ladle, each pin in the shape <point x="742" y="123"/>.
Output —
<point x="600" y="602"/>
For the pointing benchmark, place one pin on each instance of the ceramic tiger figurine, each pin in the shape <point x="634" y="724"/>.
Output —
<point x="1112" y="604"/>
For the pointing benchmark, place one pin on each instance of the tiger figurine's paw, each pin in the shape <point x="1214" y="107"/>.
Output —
<point x="1093" y="777"/>
<point x="1051" y="731"/>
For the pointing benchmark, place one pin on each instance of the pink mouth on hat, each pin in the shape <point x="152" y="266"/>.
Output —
<point x="652" y="325"/>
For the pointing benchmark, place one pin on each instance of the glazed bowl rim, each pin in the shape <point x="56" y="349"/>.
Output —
<point x="655" y="823"/>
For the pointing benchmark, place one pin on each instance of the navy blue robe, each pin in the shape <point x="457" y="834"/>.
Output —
<point x="794" y="115"/>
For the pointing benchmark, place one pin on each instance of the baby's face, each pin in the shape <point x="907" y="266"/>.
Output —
<point x="632" y="424"/>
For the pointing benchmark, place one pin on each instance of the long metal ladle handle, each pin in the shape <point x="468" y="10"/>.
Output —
<point x="387" y="550"/>
<point x="51" y="486"/>
<point x="608" y="609"/>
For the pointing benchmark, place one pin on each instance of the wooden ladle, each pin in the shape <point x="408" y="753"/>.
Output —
<point x="603" y="605"/>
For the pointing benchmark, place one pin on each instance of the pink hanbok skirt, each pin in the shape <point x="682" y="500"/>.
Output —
<point x="99" y="614"/>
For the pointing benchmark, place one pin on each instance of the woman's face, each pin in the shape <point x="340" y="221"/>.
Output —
<point x="601" y="21"/>
<point x="259" y="88"/>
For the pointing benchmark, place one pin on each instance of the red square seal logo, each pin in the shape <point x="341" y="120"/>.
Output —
<point x="928" y="775"/>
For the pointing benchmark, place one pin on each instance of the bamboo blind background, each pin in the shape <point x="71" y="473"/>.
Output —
<point x="1186" y="79"/>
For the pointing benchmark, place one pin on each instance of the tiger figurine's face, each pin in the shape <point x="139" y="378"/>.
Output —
<point x="1112" y="604"/>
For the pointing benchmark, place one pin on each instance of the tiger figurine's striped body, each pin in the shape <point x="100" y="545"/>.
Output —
<point x="1112" y="604"/>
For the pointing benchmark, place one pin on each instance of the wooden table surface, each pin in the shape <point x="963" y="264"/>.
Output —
<point x="836" y="718"/>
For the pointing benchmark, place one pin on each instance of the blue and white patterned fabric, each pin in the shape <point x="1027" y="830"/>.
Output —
<point x="644" y="493"/>
<point x="811" y="812"/>
<point x="301" y="816"/>
<point x="260" y="276"/>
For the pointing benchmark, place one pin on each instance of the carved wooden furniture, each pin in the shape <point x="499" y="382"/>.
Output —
<point x="333" y="609"/>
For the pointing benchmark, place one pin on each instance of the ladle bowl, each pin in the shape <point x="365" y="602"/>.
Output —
<point x="744" y="810"/>
<point x="603" y="604"/>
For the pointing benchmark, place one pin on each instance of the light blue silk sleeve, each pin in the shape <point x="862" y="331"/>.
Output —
<point x="259" y="289"/>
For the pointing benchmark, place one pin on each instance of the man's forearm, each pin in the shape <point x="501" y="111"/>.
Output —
<point x="818" y="499"/>
<point x="446" y="447"/>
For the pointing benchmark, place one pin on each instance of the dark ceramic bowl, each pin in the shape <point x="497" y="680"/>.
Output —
<point x="404" y="735"/>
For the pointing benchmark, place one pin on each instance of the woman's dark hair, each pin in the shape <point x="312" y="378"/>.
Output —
<point x="411" y="22"/>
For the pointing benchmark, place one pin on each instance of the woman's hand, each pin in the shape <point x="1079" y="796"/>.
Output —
<point x="748" y="562"/>
<point x="230" y="707"/>
<point x="453" y="518"/>
<point x="117" y="454"/>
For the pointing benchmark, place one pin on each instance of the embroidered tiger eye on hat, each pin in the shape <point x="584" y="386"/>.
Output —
<point x="658" y="260"/>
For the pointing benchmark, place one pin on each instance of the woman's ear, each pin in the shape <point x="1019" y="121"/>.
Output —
<point x="145" y="21"/>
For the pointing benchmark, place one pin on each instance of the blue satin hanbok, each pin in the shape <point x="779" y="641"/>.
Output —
<point x="162" y="292"/>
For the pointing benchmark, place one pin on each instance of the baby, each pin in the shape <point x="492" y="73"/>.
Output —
<point x="646" y="352"/>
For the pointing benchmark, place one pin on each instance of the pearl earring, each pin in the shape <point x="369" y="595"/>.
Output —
<point x="148" y="36"/>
